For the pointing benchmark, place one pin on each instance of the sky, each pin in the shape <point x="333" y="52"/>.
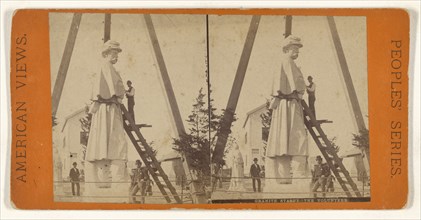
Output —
<point x="184" y="51"/>
<point x="317" y="58"/>
<point x="183" y="44"/>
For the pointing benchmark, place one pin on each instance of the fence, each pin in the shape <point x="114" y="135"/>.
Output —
<point x="62" y="191"/>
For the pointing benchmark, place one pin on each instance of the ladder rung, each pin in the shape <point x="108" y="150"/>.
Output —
<point x="144" y="151"/>
<point x="139" y="126"/>
<point x="323" y="121"/>
<point x="335" y="163"/>
<point x="342" y="171"/>
<point x="143" y="126"/>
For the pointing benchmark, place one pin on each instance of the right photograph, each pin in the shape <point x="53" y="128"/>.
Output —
<point x="294" y="97"/>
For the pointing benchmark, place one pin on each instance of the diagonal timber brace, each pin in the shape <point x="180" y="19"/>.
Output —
<point x="226" y="121"/>
<point x="65" y="61"/>
<point x="198" y="195"/>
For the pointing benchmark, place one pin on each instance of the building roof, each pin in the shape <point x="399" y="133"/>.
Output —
<point x="253" y="111"/>
<point x="71" y="116"/>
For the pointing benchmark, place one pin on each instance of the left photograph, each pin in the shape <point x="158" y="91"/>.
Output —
<point x="130" y="108"/>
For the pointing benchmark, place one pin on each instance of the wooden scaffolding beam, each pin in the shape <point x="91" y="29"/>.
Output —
<point x="65" y="61"/>
<point x="107" y="27"/>
<point x="356" y="110"/>
<point x="288" y="26"/>
<point x="226" y="121"/>
<point x="198" y="194"/>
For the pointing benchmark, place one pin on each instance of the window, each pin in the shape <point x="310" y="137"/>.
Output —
<point x="245" y="138"/>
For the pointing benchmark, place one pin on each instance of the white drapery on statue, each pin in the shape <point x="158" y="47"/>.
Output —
<point x="106" y="153"/>
<point x="287" y="146"/>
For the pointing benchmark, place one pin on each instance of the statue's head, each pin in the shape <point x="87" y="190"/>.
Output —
<point x="110" y="51"/>
<point x="291" y="46"/>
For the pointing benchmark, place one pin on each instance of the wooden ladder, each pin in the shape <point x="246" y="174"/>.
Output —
<point x="328" y="151"/>
<point x="147" y="155"/>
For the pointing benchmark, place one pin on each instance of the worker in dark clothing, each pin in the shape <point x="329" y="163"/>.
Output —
<point x="130" y="98"/>
<point x="321" y="174"/>
<point x="255" y="175"/>
<point x="140" y="182"/>
<point x="311" y="92"/>
<point x="74" y="179"/>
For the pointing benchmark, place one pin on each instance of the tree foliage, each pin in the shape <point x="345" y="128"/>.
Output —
<point x="361" y="140"/>
<point x="335" y="147"/>
<point x="85" y="122"/>
<point x="54" y="121"/>
<point x="197" y="144"/>
<point x="85" y="125"/>
<point x="152" y="146"/>
<point x="266" y="119"/>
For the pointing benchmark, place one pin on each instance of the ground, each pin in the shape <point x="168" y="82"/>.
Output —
<point x="63" y="193"/>
<point x="285" y="191"/>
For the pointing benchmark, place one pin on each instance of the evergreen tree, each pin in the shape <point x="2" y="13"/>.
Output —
<point x="230" y="139"/>
<point x="197" y="144"/>
<point x="85" y="124"/>
<point x="86" y="121"/>
<point x="362" y="141"/>
<point x="266" y="121"/>
<point x="54" y="121"/>
<point x="335" y="147"/>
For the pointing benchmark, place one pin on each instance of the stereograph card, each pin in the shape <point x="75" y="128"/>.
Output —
<point x="210" y="109"/>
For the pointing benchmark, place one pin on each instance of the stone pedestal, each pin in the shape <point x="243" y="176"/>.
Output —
<point x="106" y="177"/>
<point x="286" y="170"/>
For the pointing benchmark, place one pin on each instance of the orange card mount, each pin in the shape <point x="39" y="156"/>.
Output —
<point x="209" y="109"/>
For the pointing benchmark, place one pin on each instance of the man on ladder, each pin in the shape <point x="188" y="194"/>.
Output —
<point x="130" y="98"/>
<point x="311" y="92"/>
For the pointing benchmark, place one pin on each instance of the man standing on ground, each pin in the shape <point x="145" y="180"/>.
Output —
<point x="140" y="182"/>
<point x="130" y="98"/>
<point x="74" y="179"/>
<point x="311" y="92"/>
<point x="321" y="173"/>
<point x="255" y="175"/>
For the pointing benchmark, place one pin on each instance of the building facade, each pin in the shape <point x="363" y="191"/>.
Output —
<point x="72" y="147"/>
<point x="252" y="143"/>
